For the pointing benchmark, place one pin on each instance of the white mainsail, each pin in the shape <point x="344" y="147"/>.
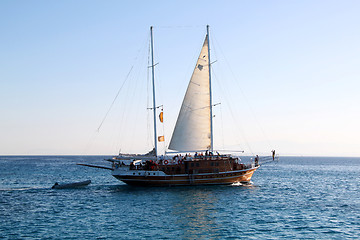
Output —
<point x="193" y="127"/>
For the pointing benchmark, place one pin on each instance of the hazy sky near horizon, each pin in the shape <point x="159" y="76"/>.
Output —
<point x="286" y="73"/>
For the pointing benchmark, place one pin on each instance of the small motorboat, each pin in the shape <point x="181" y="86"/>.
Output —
<point x="71" y="185"/>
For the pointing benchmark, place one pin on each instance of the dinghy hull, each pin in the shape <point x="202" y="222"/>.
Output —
<point x="71" y="185"/>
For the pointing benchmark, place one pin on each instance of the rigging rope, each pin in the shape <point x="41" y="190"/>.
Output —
<point x="112" y="104"/>
<point x="126" y="79"/>
<point x="148" y="117"/>
<point x="182" y="26"/>
<point x="232" y="113"/>
<point x="246" y="99"/>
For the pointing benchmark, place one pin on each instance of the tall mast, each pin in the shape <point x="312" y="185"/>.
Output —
<point x="211" y="114"/>
<point x="153" y="83"/>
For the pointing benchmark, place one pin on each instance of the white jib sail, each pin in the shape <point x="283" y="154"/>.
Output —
<point x="192" y="130"/>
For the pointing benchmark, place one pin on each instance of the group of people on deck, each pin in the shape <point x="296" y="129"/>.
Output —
<point x="179" y="159"/>
<point x="174" y="160"/>
<point x="148" y="165"/>
<point x="207" y="153"/>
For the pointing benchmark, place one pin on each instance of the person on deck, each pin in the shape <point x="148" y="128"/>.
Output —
<point x="273" y="154"/>
<point x="256" y="160"/>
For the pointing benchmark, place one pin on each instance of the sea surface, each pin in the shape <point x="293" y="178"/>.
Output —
<point x="295" y="198"/>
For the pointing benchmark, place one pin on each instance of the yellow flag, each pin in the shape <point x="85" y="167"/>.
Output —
<point x="161" y="138"/>
<point x="161" y="116"/>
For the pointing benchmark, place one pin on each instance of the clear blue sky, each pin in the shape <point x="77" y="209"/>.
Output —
<point x="288" y="69"/>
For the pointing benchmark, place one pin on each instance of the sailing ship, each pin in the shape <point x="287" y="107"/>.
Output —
<point x="192" y="136"/>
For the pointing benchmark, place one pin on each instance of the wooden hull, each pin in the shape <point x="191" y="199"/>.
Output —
<point x="221" y="178"/>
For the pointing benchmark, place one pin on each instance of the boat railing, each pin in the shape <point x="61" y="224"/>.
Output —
<point x="268" y="159"/>
<point x="150" y="165"/>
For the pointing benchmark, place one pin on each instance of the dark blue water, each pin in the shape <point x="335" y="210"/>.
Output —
<point x="297" y="198"/>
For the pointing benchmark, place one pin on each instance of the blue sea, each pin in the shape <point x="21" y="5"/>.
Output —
<point x="295" y="198"/>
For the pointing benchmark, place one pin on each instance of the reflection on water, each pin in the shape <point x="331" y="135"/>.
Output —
<point x="194" y="213"/>
<point x="187" y="212"/>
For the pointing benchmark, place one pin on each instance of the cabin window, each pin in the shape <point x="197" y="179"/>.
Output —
<point x="192" y="164"/>
<point x="197" y="164"/>
<point x="212" y="164"/>
<point x="133" y="173"/>
<point x="172" y="169"/>
<point x="217" y="164"/>
<point x="154" y="174"/>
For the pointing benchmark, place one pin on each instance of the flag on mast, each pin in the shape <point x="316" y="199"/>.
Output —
<point x="161" y="116"/>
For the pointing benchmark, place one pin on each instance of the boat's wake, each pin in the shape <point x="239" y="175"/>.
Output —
<point x="23" y="189"/>
<point x="243" y="184"/>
